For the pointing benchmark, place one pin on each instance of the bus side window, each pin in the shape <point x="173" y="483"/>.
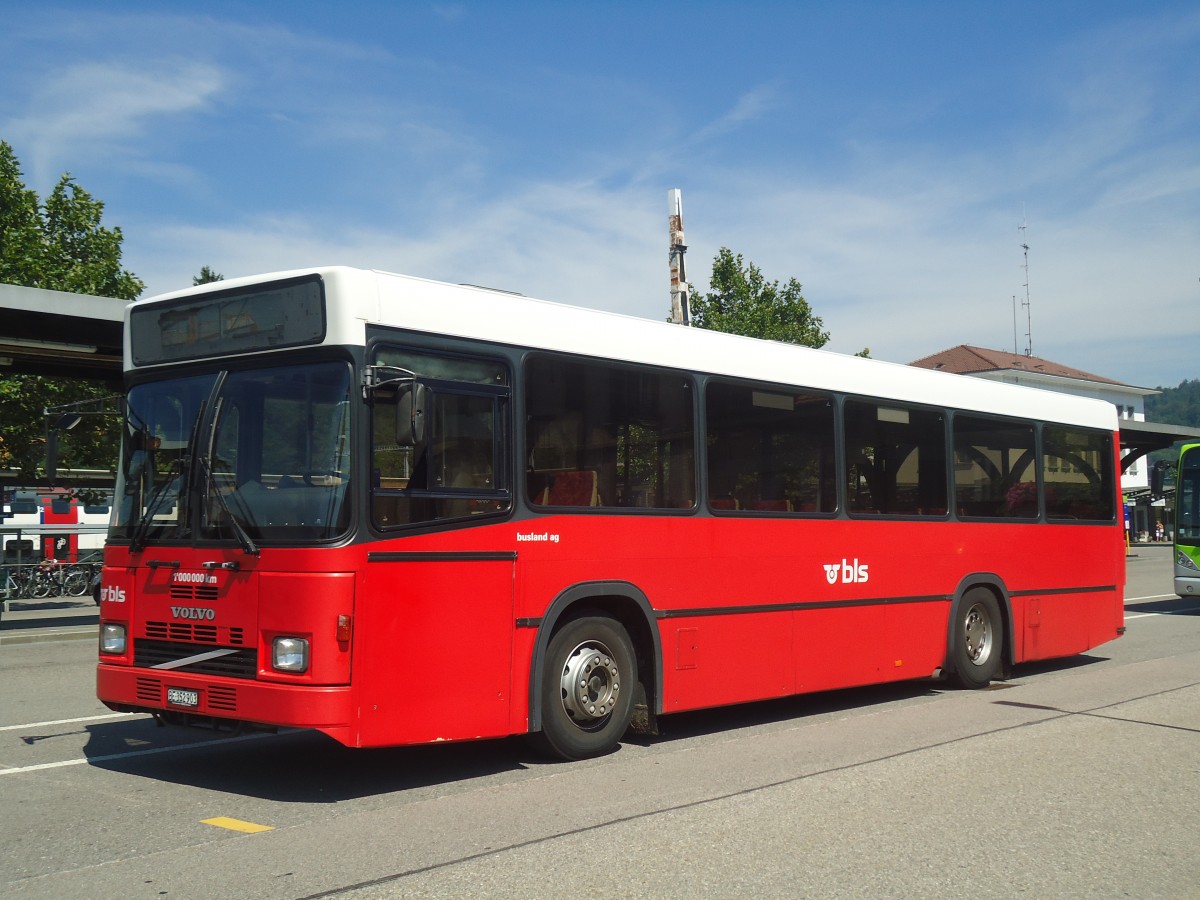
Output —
<point x="630" y="425"/>
<point x="770" y="450"/>
<point x="1079" y="479"/>
<point x="895" y="459"/>
<point x="995" y="473"/>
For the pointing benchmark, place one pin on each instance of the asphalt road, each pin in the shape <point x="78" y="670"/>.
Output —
<point x="1076" y="778"/>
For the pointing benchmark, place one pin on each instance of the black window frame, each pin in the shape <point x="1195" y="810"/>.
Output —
<point x="443" y="505"/>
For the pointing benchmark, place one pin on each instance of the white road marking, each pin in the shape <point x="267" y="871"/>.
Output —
<point x="31" y="725"/>
<point x="20" y="770"/>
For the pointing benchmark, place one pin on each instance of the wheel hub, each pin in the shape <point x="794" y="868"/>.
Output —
<point x="590" y="682"/>
<point x="978" y="633"/>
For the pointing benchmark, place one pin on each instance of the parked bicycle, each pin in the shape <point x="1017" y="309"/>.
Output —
<point x="53" y="579"/>
<point x="18" y="582"/>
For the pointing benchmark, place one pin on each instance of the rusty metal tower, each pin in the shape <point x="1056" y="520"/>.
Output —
<point x="680" y="313"/>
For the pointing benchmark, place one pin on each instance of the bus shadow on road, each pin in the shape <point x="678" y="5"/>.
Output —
<point x="765" y="713"/>
<point x="309" y="768"/>
<point x="683" y="726"/>
<point x="1173" y="606"/>
<point x="291" y="766"/>
<point x="1046" y="666"/>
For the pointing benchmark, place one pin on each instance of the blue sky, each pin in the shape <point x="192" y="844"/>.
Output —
<point x="884" y="154"/>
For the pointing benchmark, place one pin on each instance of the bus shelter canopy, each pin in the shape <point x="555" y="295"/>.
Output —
<point x="60" y="334"/>
<point x="1140" y="438"/>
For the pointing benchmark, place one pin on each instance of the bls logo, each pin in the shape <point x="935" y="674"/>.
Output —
<point x="112" y="594"/>
<point x="851" y="572"/>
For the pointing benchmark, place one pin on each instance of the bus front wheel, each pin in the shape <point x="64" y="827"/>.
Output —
<point x="978" y="639"/>
<point x="587" y="688"/>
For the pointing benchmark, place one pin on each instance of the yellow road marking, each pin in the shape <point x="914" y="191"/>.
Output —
<point x="236" y="825"/>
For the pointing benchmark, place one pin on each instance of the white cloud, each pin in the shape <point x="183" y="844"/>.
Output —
<point x="397" y="160"/>
<point x="79" y="112"/>
<point x="749" y="107"/>
<point x="574" y="243"/>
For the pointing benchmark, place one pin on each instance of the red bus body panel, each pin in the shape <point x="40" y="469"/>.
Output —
<point x="444" y="626"/>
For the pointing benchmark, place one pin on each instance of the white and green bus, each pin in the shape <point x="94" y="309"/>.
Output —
<point x="1187" y="522"/>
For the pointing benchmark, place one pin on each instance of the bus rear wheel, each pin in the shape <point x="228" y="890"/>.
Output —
<point x="587" y="689"/>
<point x="978" y="639"/>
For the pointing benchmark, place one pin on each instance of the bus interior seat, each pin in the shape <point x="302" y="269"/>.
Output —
<point x="574" y="488"/>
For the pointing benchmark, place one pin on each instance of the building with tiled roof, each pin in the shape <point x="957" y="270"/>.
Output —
<point x="967" y="360"/>
<point x="1034" y="371"/>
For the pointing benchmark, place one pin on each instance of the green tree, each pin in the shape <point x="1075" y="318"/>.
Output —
<point x="82" y="256"/>
<point x="741" y="301"/>
<point x="1174" y="406"/>
<point x="59" y="246"/>
<point x="21" y="238"/>
<point x="207" y="276"/>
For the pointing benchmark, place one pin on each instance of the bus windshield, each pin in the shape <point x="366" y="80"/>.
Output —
<point x="161" y="421"/>
<point x="247" y="456"/>
<point x="1187" y="502"/>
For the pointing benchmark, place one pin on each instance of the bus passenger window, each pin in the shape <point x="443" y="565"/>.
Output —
<point x="995" y="474"/>
<point x="895" y="459"/>
<point x="1078" y="467"/>
<point x="770" y="450"/>
<point x="601" y="434"/>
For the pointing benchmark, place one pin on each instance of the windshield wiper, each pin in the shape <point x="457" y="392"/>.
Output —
<point x="248" y="545"/>
<point x="182" y="477"/>
<point x="138" y="541"/>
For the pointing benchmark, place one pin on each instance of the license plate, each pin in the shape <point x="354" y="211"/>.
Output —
<point x="180" y="697"/>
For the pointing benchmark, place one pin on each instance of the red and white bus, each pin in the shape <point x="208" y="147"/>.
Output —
<point x="399" y="511"/>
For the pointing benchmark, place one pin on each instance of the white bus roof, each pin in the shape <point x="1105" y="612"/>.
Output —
<point x="361" y="297"/>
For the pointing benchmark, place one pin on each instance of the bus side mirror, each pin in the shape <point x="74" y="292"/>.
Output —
<point x="412" y="412"/>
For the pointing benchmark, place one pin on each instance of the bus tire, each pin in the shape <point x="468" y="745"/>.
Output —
<point x="588" y="686"/>
<point x="978" y="639"/>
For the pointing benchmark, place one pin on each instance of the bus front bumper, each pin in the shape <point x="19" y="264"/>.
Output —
<point x="1187" y="586"/>
<point x="256" y="703"/>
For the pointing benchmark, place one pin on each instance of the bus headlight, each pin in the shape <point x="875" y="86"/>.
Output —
<point x="289" y="654"/>
<point x="112" y="639"/>
<point x="1182" y="559"/>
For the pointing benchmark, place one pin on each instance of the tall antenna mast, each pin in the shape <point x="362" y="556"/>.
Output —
<point x="680" y="312"/>
<point x="1015" y="351"/>
<point x="1025" y="303"/>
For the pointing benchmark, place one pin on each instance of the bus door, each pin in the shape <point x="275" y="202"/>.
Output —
<point x="435" y="641"/>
